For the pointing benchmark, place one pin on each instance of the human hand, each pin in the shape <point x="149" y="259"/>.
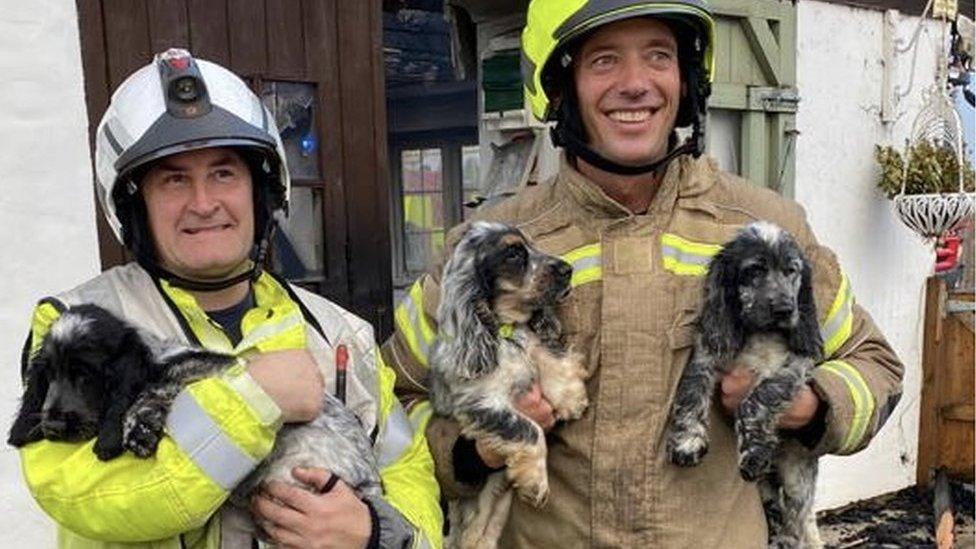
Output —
<point x="294" y="517"/>
<point x="293" y="380"/>
<point x="534" y="405"/>
<point x="737" y="383"/>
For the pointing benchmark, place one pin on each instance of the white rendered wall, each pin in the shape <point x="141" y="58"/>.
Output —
<point x="47" y="222"/>
<point x="839" y="73"/>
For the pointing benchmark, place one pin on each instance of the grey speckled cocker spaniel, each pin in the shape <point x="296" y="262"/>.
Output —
<point x="759" y="314"/>
<point x="97" y="376"/>
<point x="497" y="335"/>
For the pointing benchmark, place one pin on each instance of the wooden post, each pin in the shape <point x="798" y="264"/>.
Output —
<point x="928" y="421"/>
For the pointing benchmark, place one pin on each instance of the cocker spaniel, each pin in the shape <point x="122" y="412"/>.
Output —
<point x="96" y="375"/>
<point x="498" y="334"/>
<point x="759" y="314"/>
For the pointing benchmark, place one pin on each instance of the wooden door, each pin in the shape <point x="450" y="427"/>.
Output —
<point x="326" y="53"/>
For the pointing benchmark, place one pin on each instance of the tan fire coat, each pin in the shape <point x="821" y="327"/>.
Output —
<point x="637" y="288"/>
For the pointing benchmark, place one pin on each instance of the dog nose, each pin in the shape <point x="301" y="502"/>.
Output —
<point x="782" y="309"/>
<point x="564" y="271"/>
<point x="54" y="427"/>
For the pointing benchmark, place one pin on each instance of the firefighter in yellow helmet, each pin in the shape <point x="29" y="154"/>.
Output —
<point x="192" y="178"/>
<point x="639" y="211"/>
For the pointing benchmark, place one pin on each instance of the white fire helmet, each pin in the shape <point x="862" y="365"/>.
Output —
<point x="176" y="104"/>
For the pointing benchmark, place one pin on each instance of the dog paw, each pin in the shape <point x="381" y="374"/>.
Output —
<point x="754" y="462"/>
<point x="534" y="493"/>
<point x="142" y="431"/>
<point x="573" y="409"/>
<point x="106" y="450"/>
<point x="687" y="450"/>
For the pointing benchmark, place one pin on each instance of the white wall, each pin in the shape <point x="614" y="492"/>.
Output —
<point x="839" y="73"/>
<point x="47" y="225"/>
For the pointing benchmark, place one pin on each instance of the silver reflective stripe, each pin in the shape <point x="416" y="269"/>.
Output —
<point x="587" y="262"/>
<point x="205" y="443"/>
<point x="397" y="435"/>
<point x="414" y="315"/>
<point x="684" y="257"/>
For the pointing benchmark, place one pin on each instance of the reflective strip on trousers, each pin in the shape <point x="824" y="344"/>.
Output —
<point x="396" y="436"/>
<point x="587" y="263"/>
<point x="205" y="443"/>
<point x="863" y="402"/>
<point x="839" y="323"/>
<point x="411" y="321"/>
<point x="684" y="257"/>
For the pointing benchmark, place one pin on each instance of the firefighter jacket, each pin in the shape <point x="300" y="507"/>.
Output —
<point x="636" y="292"/>
<point x="220" y="428"/>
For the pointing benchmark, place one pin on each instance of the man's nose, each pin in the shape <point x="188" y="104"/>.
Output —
<point x="202" y="200"/>
<point x="633" y="78"/>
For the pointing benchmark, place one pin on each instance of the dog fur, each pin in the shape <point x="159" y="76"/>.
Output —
<point x="95" y="375"/>
<point x="759" y="313"/>
<point x="496" y="281"/>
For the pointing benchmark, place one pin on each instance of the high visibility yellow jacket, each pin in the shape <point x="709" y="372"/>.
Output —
<point x="637" y="285"/>
<point x="219" y="428"/>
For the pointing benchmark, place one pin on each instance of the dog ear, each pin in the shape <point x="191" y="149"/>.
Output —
<point x="467" y="329"/>
<point x="720" y="328"/>
<point x="806" y="340"/>
<point x="27" y="425"/>
<point x="125" y="376"/>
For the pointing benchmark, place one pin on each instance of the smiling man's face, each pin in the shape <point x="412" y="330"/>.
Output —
<point x="201" y="212"/>
<point x="628" y="84"/>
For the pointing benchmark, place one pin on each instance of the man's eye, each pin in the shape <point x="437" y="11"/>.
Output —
<point x="224" y="175"/>
<point x="603" y="62"/>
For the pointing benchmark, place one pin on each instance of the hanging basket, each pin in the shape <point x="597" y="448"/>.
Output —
<point x="931" y="215"/>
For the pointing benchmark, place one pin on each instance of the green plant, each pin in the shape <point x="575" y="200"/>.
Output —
<point x="931" y="169"/>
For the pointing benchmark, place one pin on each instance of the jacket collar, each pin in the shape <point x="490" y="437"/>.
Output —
<point x="685" y="177"/>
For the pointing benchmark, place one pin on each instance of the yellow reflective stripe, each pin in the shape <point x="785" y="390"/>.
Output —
<point x="412" y="322"/>
<point x="839" y="323"/>
<point x="863" y="402"/>
<point x="267" y="330"/>
<point x="210" y="336"/>
<point x="420" y="414"/>
<point x="587" y="263"/>
<point x="684" y="257"/>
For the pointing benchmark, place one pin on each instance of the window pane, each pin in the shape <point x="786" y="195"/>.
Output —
<point x="470" y="177"/>
<point x="432" y="169"/>
<point x="420" y="249"/>
<point x="410" y="172"/>
<point x="299" y="243"/>
<point x="293" y="106"/>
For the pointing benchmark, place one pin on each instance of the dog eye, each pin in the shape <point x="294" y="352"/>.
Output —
<point x="790" y="270"/>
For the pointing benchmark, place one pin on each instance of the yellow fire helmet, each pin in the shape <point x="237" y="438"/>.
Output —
<point x="552" y="24"/>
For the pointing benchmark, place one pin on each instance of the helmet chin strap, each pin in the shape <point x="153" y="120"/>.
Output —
<point x="578" y="148"/>
<point x="259" y="254"/>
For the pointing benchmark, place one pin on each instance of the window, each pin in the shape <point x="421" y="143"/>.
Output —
<point x="423" y="207"/>
<point x="298" y="250"/>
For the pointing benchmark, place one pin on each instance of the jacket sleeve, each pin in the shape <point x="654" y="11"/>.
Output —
<point x="217" y="432"/>
<point x="860" y="379"/>
<point x="407" y="472"/>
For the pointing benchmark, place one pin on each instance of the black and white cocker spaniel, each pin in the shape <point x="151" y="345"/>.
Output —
<point x="759" y="314"/>
<point x="97" y="376"/>
<point x="498" y="334"/>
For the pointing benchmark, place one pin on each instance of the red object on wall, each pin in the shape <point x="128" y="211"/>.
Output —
<point x="947" y="253"/>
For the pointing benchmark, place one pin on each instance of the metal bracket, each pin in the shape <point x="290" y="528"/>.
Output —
<point x="768" y="99"/>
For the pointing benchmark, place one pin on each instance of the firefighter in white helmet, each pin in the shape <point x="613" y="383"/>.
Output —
<point x="192" y="178"/>
<point x="639" y="211"/>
